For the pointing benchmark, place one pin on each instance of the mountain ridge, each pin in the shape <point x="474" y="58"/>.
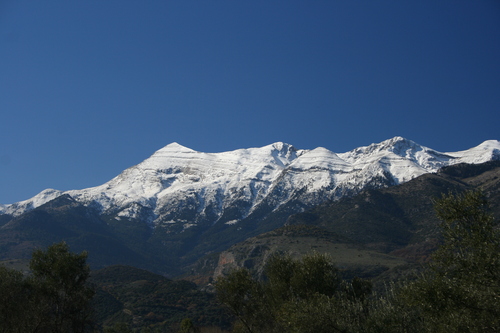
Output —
<point x="180" y="205"/>
<point x="177" y="168"/>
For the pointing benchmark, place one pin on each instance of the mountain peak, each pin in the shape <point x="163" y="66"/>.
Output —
<point x="283" y="153"/>
<point x="208" y="185"/>
<point x="397" y="145"/>
<point x="398" y="141"/>
<point x="486" y="151"/>
<point x="282" y="146"/>
<point x="488" y="144"/>
<point x="175" y="147"/>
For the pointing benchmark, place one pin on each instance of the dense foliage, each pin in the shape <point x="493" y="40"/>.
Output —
<point x="304" y="295"/>
<point x="53" y="298"/>
<point x="458" y="292"/>
<point x="140" y="299"/>
<point x="61" y="295"/>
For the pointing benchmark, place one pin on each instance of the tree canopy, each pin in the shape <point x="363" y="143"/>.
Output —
<point x="54" y="297"/>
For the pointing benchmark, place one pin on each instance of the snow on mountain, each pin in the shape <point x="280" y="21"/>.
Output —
<point x="180" y="187"/>
<point x="397" y="158"/>
<point x="486" y="151"/>
<point x="26" y="205"/>
<point x="177" y="177"/>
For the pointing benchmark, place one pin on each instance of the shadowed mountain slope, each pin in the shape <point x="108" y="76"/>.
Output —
<point x="377" y="233"/>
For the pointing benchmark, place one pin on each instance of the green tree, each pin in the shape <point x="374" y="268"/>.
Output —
<point x="297" y="295"/>
<point x="62" y="294"/>
<point x="53" y="298"/>
<point x="187" y="326"/>
<point x="16" y="302"/>
<point x="244" y="297"/>
<point x="317" y="300"/>
<point x="291" y="279"/>
<point x="460" y="290"/>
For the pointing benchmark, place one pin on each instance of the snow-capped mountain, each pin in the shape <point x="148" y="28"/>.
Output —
<point x="178" y="188"/>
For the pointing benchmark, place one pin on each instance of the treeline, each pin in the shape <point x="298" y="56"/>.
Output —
<point x="459" y="290"/>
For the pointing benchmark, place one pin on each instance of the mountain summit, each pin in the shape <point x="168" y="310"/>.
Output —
<point x="179" y="188"/>
<point x="180" y="204"/>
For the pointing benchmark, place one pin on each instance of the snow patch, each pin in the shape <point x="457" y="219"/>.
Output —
<point x="178" y="181"/>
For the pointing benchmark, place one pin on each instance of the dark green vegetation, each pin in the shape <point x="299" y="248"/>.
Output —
<point x="60" y="294"/>
<point x="281" y="302"/>
<point x="141" y="299"/>
<point x="53" y="298"/>
<point x="459" y="291"/>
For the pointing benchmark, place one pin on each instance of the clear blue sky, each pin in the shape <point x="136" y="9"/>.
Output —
<point x="89" y="88"/>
